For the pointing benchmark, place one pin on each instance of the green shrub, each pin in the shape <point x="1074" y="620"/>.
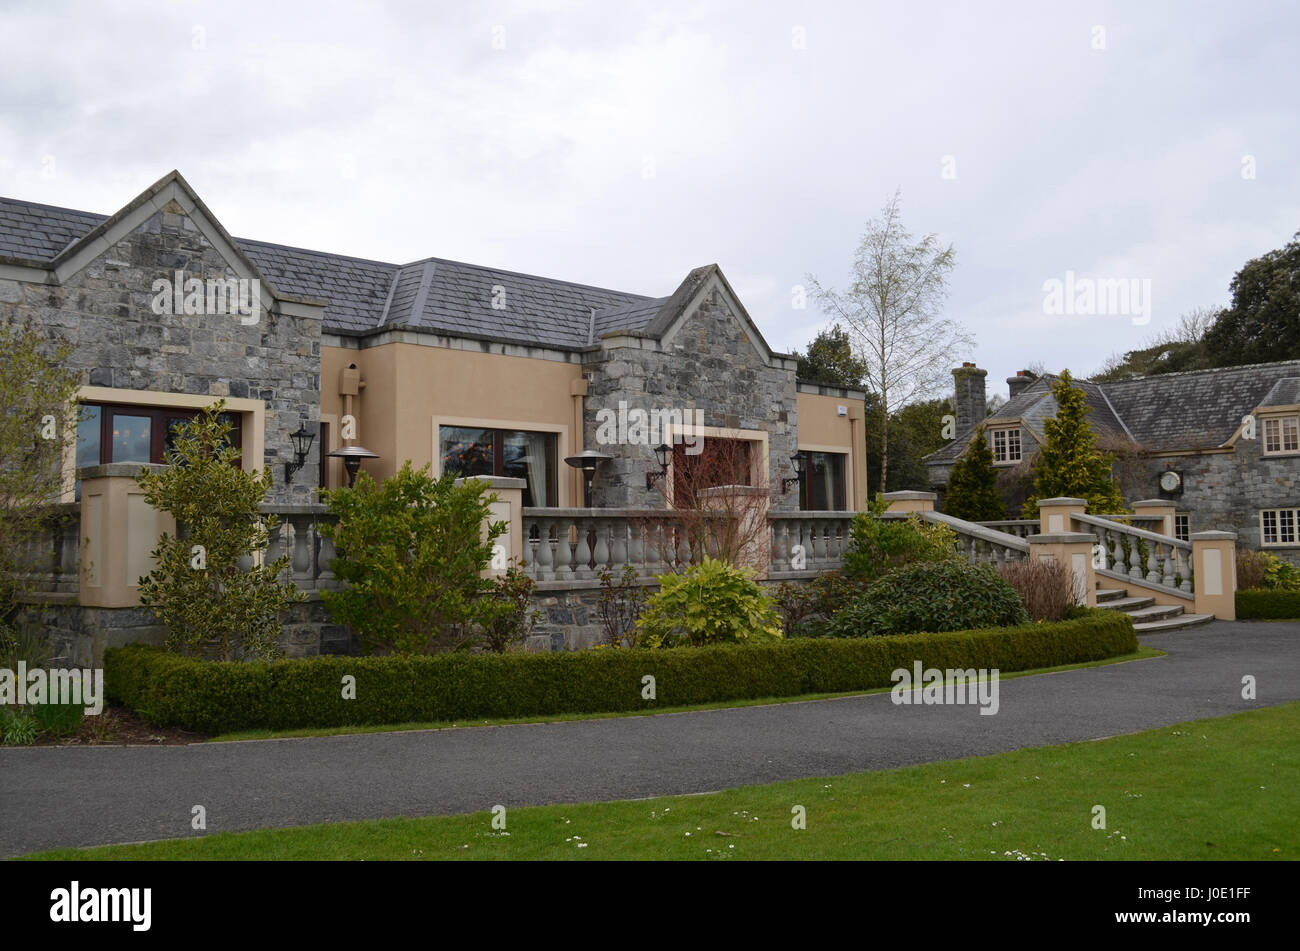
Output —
<point x="1273" y="605"/>
<point x="411" y="552"/>
<point x="208" y="603"/>
<point x="806" y="607"/>
<point x="942" y="596"/>
<point x="508" y="617"/>
<point x="215" y="697"/>
<point x="712" y="602"/>
<point x="877" y="545"/>
<point x="973" y="484"/>
<point x="17" y="727"/>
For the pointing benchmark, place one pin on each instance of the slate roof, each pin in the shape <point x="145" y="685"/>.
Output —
<point x="433" y="295"/>
<point x="1196" y="409"/>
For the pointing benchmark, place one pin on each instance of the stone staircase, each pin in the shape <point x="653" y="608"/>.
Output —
<point x="1148" y="617"/>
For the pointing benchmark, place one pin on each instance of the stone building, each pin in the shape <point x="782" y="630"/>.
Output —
<point x="474" y="369"/>
<point x="1223" y="445"/>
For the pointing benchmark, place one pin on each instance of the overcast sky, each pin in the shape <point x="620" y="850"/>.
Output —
<point x="621" y="144"/>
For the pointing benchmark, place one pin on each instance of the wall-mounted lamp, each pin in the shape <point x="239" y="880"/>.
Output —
<point x="661" y="456"/>
<point x="352" y="456"/>
<point x="800" y="468"/>
<point x="302" y="441"/>
<point x="588" y="460"/>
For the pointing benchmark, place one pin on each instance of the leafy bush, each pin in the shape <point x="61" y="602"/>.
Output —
<point x="1265" y="571"/>
<point x="712" y="602"/>
<point x="806" y="607"/>
<point x="17" y="727"/>
<point x="1046" y="587"/>
<point x="411" y="552"/>
<point x="942" y="596"/>
<point x="1273" y="605"/>
<point x="209" y="604"/>
<point x="286" y="694"/>
<point x="508" y="616"/>
<point x="877" y="545"/>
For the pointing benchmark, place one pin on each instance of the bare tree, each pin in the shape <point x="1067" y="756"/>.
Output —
<point x="893" y="310"/>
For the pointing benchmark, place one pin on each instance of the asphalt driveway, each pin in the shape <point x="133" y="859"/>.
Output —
<point x="76" y="796"/>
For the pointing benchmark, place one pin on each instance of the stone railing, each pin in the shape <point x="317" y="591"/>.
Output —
<point x="808" y="541"/>
<point x="49" y="562"/>
<point x="981" y="544"/>
<point x="1020" y="527"/>
<point x="576" y="544"/>
<point x="1165" y="561"/>
<point x="297" y="532"/>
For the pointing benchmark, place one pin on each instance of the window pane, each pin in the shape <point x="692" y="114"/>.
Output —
<point x="467" y="452"/>
<point x="825" y="477"/>
<point x="1290" y="435"/>
<point x="131" y="438"/>
<point x="1286" y="527"/>
<point x="88" y="437"/>
<point x="1272" y="435"/>
<point x="1269" y="527"/>
<point x="527" y="456"/>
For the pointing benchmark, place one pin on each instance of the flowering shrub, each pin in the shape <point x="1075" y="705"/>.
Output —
<point x="712" y="602"/>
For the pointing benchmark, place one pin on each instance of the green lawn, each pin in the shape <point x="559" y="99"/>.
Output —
<point x="1226" y="788"/>
<point x="1142" y="653"/>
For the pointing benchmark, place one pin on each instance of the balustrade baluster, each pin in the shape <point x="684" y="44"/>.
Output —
<point x="582" y="557"/>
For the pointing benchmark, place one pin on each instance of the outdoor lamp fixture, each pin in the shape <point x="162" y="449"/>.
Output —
<point x="352" y="456"/>
<point x="587" y="460"/>
<point x="302" y="441"/>
<point x="800" y="468"/>
<point x="661" y="456"/>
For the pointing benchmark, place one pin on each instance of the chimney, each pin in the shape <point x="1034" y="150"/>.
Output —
<point x="970" y="394"/>
<point x="1021" y="380"/>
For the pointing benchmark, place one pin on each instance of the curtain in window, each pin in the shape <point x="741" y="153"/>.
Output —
<point x="537" y="445"/>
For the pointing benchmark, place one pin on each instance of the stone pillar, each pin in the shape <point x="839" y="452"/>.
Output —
<point x="1056" y="515"/>
<point x="508" y="508"/>
<point x="1162" y="507"/>
<point x="119" y="530"/>
<point x="910" y="500"/>
<point x="1073" y="549"/>
<point x="1214" y="564"/>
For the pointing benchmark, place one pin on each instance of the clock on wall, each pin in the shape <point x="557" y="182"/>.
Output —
<point x="1171" y="482"/>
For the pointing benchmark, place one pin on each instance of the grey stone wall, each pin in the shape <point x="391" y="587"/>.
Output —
<point x="105" y="312"/>
<point x="710" y="364"/>
<point x="1226" y="491"/>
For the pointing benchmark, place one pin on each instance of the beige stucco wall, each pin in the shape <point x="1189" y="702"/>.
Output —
<point x="440" y="386"/>
<point x="821" y="429"/>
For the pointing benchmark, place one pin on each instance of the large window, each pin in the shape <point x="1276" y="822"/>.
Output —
<point x="1006" y="445"/>
<point x="718" y="462"/>
<point x="1282" y="434"/>
<point x="1278" y="526"/>
<point x="471" y="451"/>
<point x="823" y="482"/>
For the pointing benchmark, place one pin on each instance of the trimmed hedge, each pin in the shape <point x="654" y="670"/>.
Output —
<point x="219" y="697"/>
<point x="1283" y="605"/>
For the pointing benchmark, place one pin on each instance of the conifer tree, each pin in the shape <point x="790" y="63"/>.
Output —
<point x="1071" y="465"/>
<point x="972" y="487"/>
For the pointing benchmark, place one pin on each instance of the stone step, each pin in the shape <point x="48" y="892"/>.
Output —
<point x="1173" y="623"/>
<point x="1127" y="604"/>
<point x="1155" y="613"/>
<point x="1110" y="594"/>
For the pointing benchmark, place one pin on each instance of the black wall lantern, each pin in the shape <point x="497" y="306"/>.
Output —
<point x="800" y="468"/>
<point x="661" y="456"/>
<point x="302" y="441"/>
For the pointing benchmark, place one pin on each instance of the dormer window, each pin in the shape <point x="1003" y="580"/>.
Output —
<point x="1281" y="434"/>
<point x="1006" y="445"/>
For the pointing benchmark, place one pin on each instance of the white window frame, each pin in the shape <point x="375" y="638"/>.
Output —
<point x="1283" y="434"/>
<point x="1006" y="459"/>
<point x="1182" y="526"/>
<point x="1285" y="523"/>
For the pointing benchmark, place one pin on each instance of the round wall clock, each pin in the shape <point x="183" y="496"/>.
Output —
<point x="1170" y="481"/>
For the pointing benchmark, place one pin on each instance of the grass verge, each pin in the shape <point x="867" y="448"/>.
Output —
<point x="1223" y="788"/>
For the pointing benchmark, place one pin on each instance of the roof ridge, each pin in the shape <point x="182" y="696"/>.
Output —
<point x="1242" y="366"/>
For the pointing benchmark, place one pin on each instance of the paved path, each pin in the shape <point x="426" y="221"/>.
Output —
<point x="73" y="796"/>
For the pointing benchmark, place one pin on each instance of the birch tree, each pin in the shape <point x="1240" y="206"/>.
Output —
<point x="893" y="309"/>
